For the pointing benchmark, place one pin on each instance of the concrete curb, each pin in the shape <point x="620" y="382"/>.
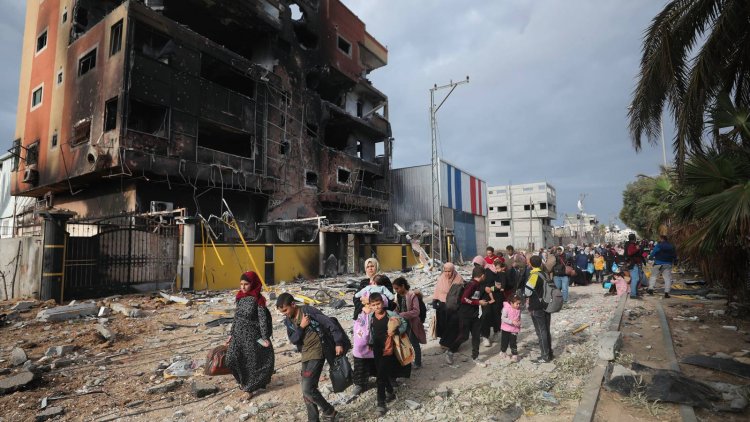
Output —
<point x="686" y="412"/>
<point x="587" y="405"/>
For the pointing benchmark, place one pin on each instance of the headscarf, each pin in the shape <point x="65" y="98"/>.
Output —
<point x="479" y="260"/>
<point x="445" y="281"/>
<point x="377" y="266"/>
<point x="255" y="288"/>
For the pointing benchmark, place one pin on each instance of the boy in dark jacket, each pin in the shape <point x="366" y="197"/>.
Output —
<point x="318" y="338"/>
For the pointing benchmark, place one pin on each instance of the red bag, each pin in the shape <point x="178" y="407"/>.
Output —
<point x="388" y="349"/>
<point x="215" y="362"/>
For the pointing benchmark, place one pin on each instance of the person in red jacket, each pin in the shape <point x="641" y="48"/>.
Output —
<point x="490" y="257"/>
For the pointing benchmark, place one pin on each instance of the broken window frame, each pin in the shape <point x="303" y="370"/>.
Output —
<point x="348" y="180"/>
<point x="16" y="151"/>
<point x="34" y="102"/>
<point x="87" y="62"/>
<point x="32" y="154"/>
<point x="44" y="34"/>
<point x="81" y="132"/>
<point x="165" y="122"/>
<point x="347" y="52"/>
<point x="53" y="140"/>
<point x="308" y="182"/>
<point x="59" y="77"/>
<point x="115" y="38"/>
<point x="110" y="115"/>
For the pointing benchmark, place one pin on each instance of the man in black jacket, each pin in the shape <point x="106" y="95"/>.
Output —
<point x="317" y="337"/>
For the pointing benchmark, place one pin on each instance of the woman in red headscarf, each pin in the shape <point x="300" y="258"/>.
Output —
<point x="250" y="351"/>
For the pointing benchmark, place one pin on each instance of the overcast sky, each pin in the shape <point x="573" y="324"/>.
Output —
<point x="550" y="83"/>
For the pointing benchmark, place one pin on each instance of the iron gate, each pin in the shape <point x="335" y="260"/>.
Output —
<point x="120" y="255"/>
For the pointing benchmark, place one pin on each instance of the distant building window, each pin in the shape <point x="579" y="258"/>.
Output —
<point x="110" y="114"/>
<point x="115" y="38"/>
<point x="502" y="209"/>
<point x="53" y="142"/>
<point x="505" y="223"/>
<point x="528" y="189"/>
<point x="87" y="62"/>
<point x="489" y="193"/>
<point x="492" y="208"/>
<point x="32" y="153"/>
<point x="36" y="97"/>
<point x="540" y="187"/>
<point x="360" y="109"/>
<point x="492" y="221"/>
<point x="59" y="77"/>
<point x="528" y="207"/>
<point x="41" y="41"/>
<point x="502" y="191"/>
<point x="344" y="46"/>
<point x="344" y="176"/>
<point x="503" y="234"/>
<point x="543" y="205"/>
<point x="81" y="132"/>
<point x="65" y="15"/>
<point x="311" y="179"/>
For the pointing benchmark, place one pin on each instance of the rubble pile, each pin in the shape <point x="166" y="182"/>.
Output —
<point x="146" y="352"/>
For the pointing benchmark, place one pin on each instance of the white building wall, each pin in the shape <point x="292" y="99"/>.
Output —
<point x="521" y="215"/>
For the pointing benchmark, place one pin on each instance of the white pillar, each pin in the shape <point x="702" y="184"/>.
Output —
<point x="322" y="253"/>
<point x="187" y="258"/>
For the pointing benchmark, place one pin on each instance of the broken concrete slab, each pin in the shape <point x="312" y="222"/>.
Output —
<point x="104" y="311"/>
<point x="65" y="313"/>
<point x="176" y="299"/>
<point x="128" y="311"/>
<point x="58" y="351"/>
<point x="18" y="356"/>
<point x="609" y="344"/>
<point x="62" y="363"/>
<point x="103" y="331"/>
<point x="17" y="382"/>
<point x="203" y="389"/>
<point x="165" y="388"/>
<point x="621" y="371"/>
<point x="49" y="413"/>
<point x="23" y="306"/>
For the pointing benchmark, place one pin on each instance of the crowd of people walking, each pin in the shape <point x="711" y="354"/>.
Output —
<point x="487" y="306"/>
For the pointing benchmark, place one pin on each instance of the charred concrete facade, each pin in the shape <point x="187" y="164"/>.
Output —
<point x="129" y="105"/>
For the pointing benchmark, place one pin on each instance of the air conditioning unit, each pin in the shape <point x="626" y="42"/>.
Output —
<point x="30" y="175"/>
<point x="160" y="206"/>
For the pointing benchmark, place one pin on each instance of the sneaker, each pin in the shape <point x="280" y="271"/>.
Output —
<point x="416" y="366"/>
<point x="503" y="355"/>
<point x="389" y="397"/>
<point x="486" y="342"/>
<point x="495" y="335"/>
<point x="650" y="292"/>
<point x="666" y="296"/>
<point x="357" y="390"/>
<point x="514" y="358"/>
<point x="540" y="361"/>
<point x="332" y="417"/>
<point x="449" y="357"/>
<point x="479" y="363"/>
<point x="382" y="410"/>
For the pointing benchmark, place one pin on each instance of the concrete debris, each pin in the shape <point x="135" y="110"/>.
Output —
<point x="165" y="388"/>
<point x="610" y="344"/>
<point x="128" y="311"/>
<point x="411" y="404"/>
<point x="729" y="327"/>
<point x="62" y="363"/>
<point x="176" y="299"/>
<point x="18" y="356"/>
<point x="49" y="413"/>
<point x="17" y="382"/>
<point x="58" y="351"/>
<point x="203" y="389"/>
<point x="23" y="306"/>
<point x="104" y="332"/>
<point x="104" y="311"/>
<point x="65" y="313"/>
<point x="619" y="371"/>
<point x="244" y="417"/>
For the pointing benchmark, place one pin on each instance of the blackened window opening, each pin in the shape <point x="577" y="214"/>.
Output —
<point x="150" y="43"/>
<point x="115" y="38"/>
<point x="41" y="41"/>
<point x="32" y="153"/>
<point x="344" y="176"/>
<point x="224" y="75"/>
<point x="87" y="62"/>
<point x="311" y="179"/>
<point x="344" y="46"/>
<point x="110" y="114"/>
<point x="152" y="119"/>
<point x="81" y="132"/>
<point x="212" y="135"/>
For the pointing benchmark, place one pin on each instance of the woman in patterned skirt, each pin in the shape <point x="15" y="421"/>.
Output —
<point x="250" y="352"/>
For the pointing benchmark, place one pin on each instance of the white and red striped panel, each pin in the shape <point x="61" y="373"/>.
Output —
<point x="462" y="191"/>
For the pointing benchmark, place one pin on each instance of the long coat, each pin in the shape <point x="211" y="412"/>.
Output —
<point x="411" y="315"/>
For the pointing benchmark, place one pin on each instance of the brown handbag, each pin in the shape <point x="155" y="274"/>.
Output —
<point x="215" y="361"/>
<point x="388" y="348"/>
<point x="403" y="349"/>
<point x="570" y="271"/>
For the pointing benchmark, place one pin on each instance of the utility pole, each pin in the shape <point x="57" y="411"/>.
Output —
<point x="581" y="215"/>
<point x="436" y="246"/>
<point x="531" y="226"/>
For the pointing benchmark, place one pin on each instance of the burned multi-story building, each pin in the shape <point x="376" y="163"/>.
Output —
<point x="265" y="105"/>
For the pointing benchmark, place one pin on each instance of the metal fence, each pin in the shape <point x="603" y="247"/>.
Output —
<point x="119" y="255"/>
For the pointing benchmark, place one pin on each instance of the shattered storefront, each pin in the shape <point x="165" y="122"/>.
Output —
<point x="260" y="109"/>
<point x="464" y="208"/>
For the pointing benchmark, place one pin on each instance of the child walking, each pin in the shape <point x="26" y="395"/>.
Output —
<point x="510" y="327"/>
<point x="384" y="324"/>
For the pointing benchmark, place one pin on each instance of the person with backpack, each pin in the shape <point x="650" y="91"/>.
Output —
<point x="408" y="306"/>
<point x="664" y="256"/>
<point x="634" y="257"/>
<point x="539" y="288"/>
<point x="319" y="338"/>
<point x="468" y="317"/>
<point x="560" y="277"/>
<point x="450" y="283"/>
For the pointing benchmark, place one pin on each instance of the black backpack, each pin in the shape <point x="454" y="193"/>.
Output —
<point x="422" y="310"/>
<point x="454" y="296"/>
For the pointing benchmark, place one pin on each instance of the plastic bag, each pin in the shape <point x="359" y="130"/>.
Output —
<point x="403" y="349"/>
<point x="341" y="374"/>
<point x="182" y="368"/>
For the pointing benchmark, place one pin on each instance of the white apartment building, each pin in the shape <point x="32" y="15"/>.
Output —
<point x="521" y="215"/>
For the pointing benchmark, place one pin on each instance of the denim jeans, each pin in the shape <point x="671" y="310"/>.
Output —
<point x="635" y="277"/>
<point x="666" y="272"/>
<point x="310" y="374"/>
<point x="542" y="321"/>
<point x="563" y="283"/>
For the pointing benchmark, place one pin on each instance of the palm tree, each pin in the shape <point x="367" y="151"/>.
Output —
<point x="686" y="79"/>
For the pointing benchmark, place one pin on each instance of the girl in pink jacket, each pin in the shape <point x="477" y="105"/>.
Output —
<point x="510" y="327"/>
